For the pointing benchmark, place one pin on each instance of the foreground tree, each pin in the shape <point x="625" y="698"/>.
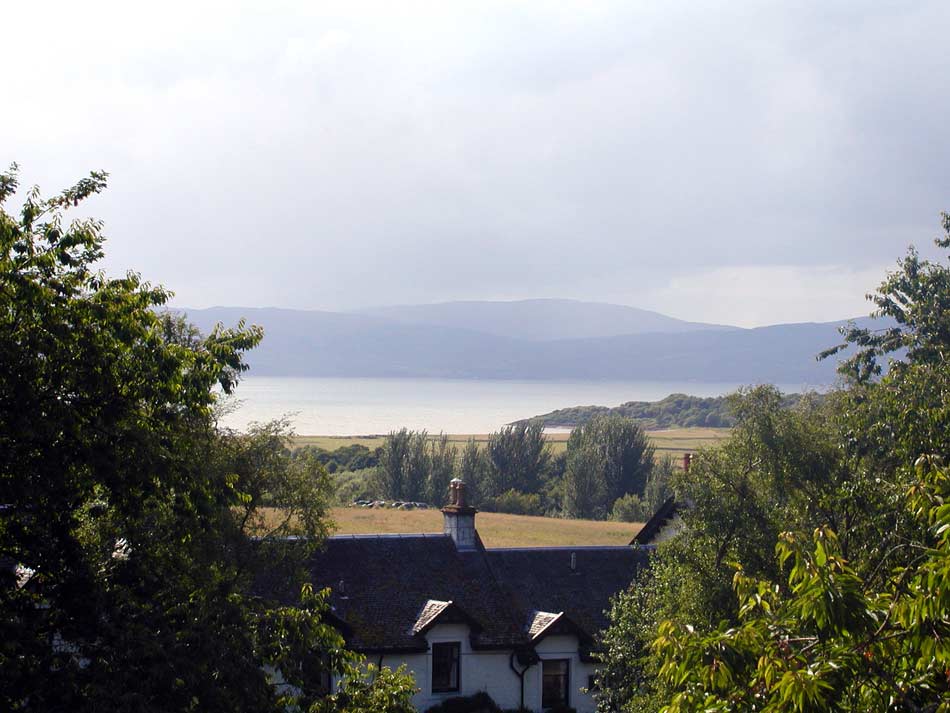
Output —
<point x="828" y="641"/>
<point x="873" y="574"/>
<point x="129" y="577"/>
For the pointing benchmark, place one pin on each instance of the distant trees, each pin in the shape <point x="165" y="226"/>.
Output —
<point x="442" y="462"/>
<point x="584" y="483"/>
<point x="344" y="458"/>
<point x="625" y="450"/>
<point x="518" y="459"/>
<point x="414" y="467"/>
<point x="608" y="458"/>
<point x="473" y="471"/>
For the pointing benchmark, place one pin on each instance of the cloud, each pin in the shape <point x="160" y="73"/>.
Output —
<point x="345" y="154"/>
<point x="757" y="295"/>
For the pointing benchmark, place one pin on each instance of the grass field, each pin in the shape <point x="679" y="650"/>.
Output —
<point x="672" y="442"/>
<point x="495" y="529"/>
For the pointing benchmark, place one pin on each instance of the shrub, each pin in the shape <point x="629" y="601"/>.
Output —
<point x="480" y="702"/>
<point x="629" y="508"/>
<point x="514" y="502"/>
<point x="353" y="485"/>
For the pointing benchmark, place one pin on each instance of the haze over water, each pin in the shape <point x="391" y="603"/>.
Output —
<point x="348" y="406"/>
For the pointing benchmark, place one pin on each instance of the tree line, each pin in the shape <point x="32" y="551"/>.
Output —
<point x="608" y="469"/>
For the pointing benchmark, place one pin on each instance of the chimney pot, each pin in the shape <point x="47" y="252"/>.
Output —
<point x="459" y="518"/>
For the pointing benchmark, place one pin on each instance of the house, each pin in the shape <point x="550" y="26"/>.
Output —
<point x="517" y="623"/>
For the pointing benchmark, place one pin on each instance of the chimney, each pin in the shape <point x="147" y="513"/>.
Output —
<point x="687" y="459"/>
<point x="459" y="518"/>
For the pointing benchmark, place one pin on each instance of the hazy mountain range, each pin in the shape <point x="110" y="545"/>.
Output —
<point x="531" y="339"/>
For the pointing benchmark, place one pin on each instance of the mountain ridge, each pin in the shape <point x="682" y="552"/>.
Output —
<point x="540" y="319"/>
<point x="343" y="344"/>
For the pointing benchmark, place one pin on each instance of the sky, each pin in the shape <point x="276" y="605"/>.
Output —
<point x="745" y="162"/>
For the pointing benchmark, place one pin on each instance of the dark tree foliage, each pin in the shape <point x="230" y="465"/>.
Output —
<point x="344" y="458"/>
<point x="412" y="466"/>
<point x="518" y="459"/>
<point x="472" y="469"/>
<point x="441" y="469"/>
<point x="626" y="454"/>
<point x="584" y="487"/>
<point x="128" y="567"/>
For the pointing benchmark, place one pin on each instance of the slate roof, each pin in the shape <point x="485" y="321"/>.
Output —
<point x="387" y="581"/>
<point x="541" y="579"/>
<point x="389" y="589"/>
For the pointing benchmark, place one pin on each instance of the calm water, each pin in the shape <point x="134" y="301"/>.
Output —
<point x="343" y="407"/>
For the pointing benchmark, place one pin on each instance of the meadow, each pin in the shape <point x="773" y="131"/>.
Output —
<point x="495" y="529"/>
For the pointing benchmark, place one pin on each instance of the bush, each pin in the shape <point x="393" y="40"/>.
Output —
<point x="629" y="508"/>
<point x="514" y="502"/>
<point x="353" y="485"/>
<point x="481" y="702"/>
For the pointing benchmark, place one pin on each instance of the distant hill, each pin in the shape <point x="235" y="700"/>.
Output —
<point x="674" y="411"/>
<point x="540" y="320"/>
<point x="311" y="343"/>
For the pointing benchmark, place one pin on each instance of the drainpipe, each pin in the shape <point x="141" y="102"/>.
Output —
<point x="529" y="659"/>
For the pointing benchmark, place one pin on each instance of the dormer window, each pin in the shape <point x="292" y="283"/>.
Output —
<point x="445" y="667"/>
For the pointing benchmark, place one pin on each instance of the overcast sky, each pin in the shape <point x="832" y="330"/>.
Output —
<point x="745" y="163"/>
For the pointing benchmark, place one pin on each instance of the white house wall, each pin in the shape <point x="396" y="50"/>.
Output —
<point x="562" y="647"/>
<point x="490" y="671"/>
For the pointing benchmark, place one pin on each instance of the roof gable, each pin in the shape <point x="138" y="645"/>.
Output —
<point x="439" y="612"/>
<point x="542" y="624"/>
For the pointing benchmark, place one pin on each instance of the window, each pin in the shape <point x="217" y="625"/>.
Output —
<point x="555" y="683"/>
<point x="445" y="667"/>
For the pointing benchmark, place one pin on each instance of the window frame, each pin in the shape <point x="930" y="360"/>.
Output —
<point x="565" y="692"/>
<point x="457" y="645"/>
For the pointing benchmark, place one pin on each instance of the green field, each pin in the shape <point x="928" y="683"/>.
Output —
<point x="672" y="442"/>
